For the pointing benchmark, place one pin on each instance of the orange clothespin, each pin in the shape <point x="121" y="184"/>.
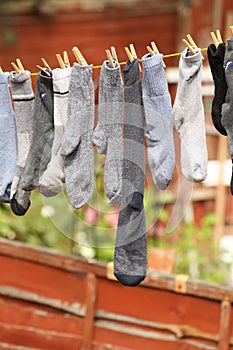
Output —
<point x="131" y="53"/>
<point x="154" y="50"/>
<point x="191" y="45"/>
<point x="79" y="57"/>
<point x="18" y="66"/>
<point x="110" y="58"/>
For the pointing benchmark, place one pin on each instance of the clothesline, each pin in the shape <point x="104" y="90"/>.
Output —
<point x="124" y="62"/>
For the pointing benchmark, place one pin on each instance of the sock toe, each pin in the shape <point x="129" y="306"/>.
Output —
<point x="129" y="280"/>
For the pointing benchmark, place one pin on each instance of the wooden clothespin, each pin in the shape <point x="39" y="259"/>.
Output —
<point x="79" y="57"/>
<point x="131" y="53"/>
<point x="18" y="66"/>
<point x="1" y="71"/>
<point x="217" y="39"/>
<point x="45" y="63"/>
<point x="45" y="70"/>
<point x="191" y="45"/>
<point x="110" y="58"/>
<point x="114" y="54"/>
<point x="231" y="28"/>
<point x="154" y="50"/>
<point x="66" y="59"/>
<point x="60" y="61"/>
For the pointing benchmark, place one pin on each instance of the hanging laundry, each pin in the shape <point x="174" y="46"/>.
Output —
<point x="51" y="181"/>
<point x="77" y="139"/>
<point x="107" y="135"/>
<point x="158" y="114"/>
<point x="23" y="97"/>
<point x="130" y="256"/>
<point x="43" y="133"/>
<point x="215" y="58"/>
<point x="189" y="118"/>
<point x="8" y="141"/>
<point x="227" y="107"/>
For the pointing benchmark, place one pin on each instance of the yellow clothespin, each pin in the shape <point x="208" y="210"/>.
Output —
<point x="191" y="45"/>
<point x="79" y="57"/>
<point x="110" y="58"/>
<point x="66" y="59"/>
<point x="1" y="71"/>
<point x="60" y="61"/>
<point x="18" y="66"/>
<point x="154" y="50"/>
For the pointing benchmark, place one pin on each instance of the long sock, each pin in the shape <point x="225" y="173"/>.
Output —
<point x="8" y="141"/>
<point x="215" y="58"/>
<point x="107" y="135"/>
<point x="51" y="181"/>
<point x="43" y="133"/>
<point x="158" y="114"/>
<point x="227" y="107"/>
<point x="130" y="256"/>
<point x="23" y="97"/>
<point x="77" y="138"/>
<point x="189" y="119"/>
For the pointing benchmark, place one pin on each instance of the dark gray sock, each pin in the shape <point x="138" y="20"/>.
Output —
<point x="107" y="135"/>
<point x="77" y="139"/>
<point x="130" y="256"/>
<point x="8" y="147"/>
<point x="227" y="107"/>
<point x="43" y="133"/>
<point x="23" y="97"/>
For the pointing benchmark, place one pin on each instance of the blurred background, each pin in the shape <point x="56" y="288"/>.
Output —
<point x="193" y="221"/>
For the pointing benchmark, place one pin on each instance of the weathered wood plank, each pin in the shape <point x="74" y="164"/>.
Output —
<point x="225" y="324"/>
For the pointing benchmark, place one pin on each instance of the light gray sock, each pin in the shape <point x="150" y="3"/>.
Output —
<point x="43" y="133"/>
<point x="189" y="118"/>
<point x="158" y="114"/>
<point x="51" y="181"/>
<point x="77" y="138"/>
<point x="8" y="147"/>
<point x="227" y="107"/>
<point x="107" y="135"/>
<point x="23" y="97"/>
<point x="130" y="256"/>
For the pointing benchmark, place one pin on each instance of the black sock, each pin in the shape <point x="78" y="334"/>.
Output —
<point x="216" y="58"/>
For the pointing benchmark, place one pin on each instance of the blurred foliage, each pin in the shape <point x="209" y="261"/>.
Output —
<point x="90" y="231"/>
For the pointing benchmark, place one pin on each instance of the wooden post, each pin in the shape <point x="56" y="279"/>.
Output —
<point x="90" y="312"/>
<point x="224" y="330"/>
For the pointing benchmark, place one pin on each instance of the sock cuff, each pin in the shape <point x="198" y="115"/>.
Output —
<point x="4" y="78"/>
<point x="60" y="74"/>
<point x="229" y="44"/>
<point x="149" y="61"/>
<point x="81" y="74"/>
<point x="110" y="76"/>
<point x="191" y="59"/>
<point x="216" y="55"/>
<point x="154" y="81"/>
<point x="131" y="73"/>
<point x="61" y="80"/>
<point x="21" y="85"/>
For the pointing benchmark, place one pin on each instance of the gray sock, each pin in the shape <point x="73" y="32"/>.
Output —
<point x="77" y="138"/>
<point x="107" y="135"/>
<point x="130" y="257"/>
<point x="189" y="118"/>
<point x="8" y="147"/>
<point x="23" y="97"/>
<point x="43" y="133"/>
<point x="158" y="114"/>
<point x="51" y="181"/>
<point x="227" y="107"/>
